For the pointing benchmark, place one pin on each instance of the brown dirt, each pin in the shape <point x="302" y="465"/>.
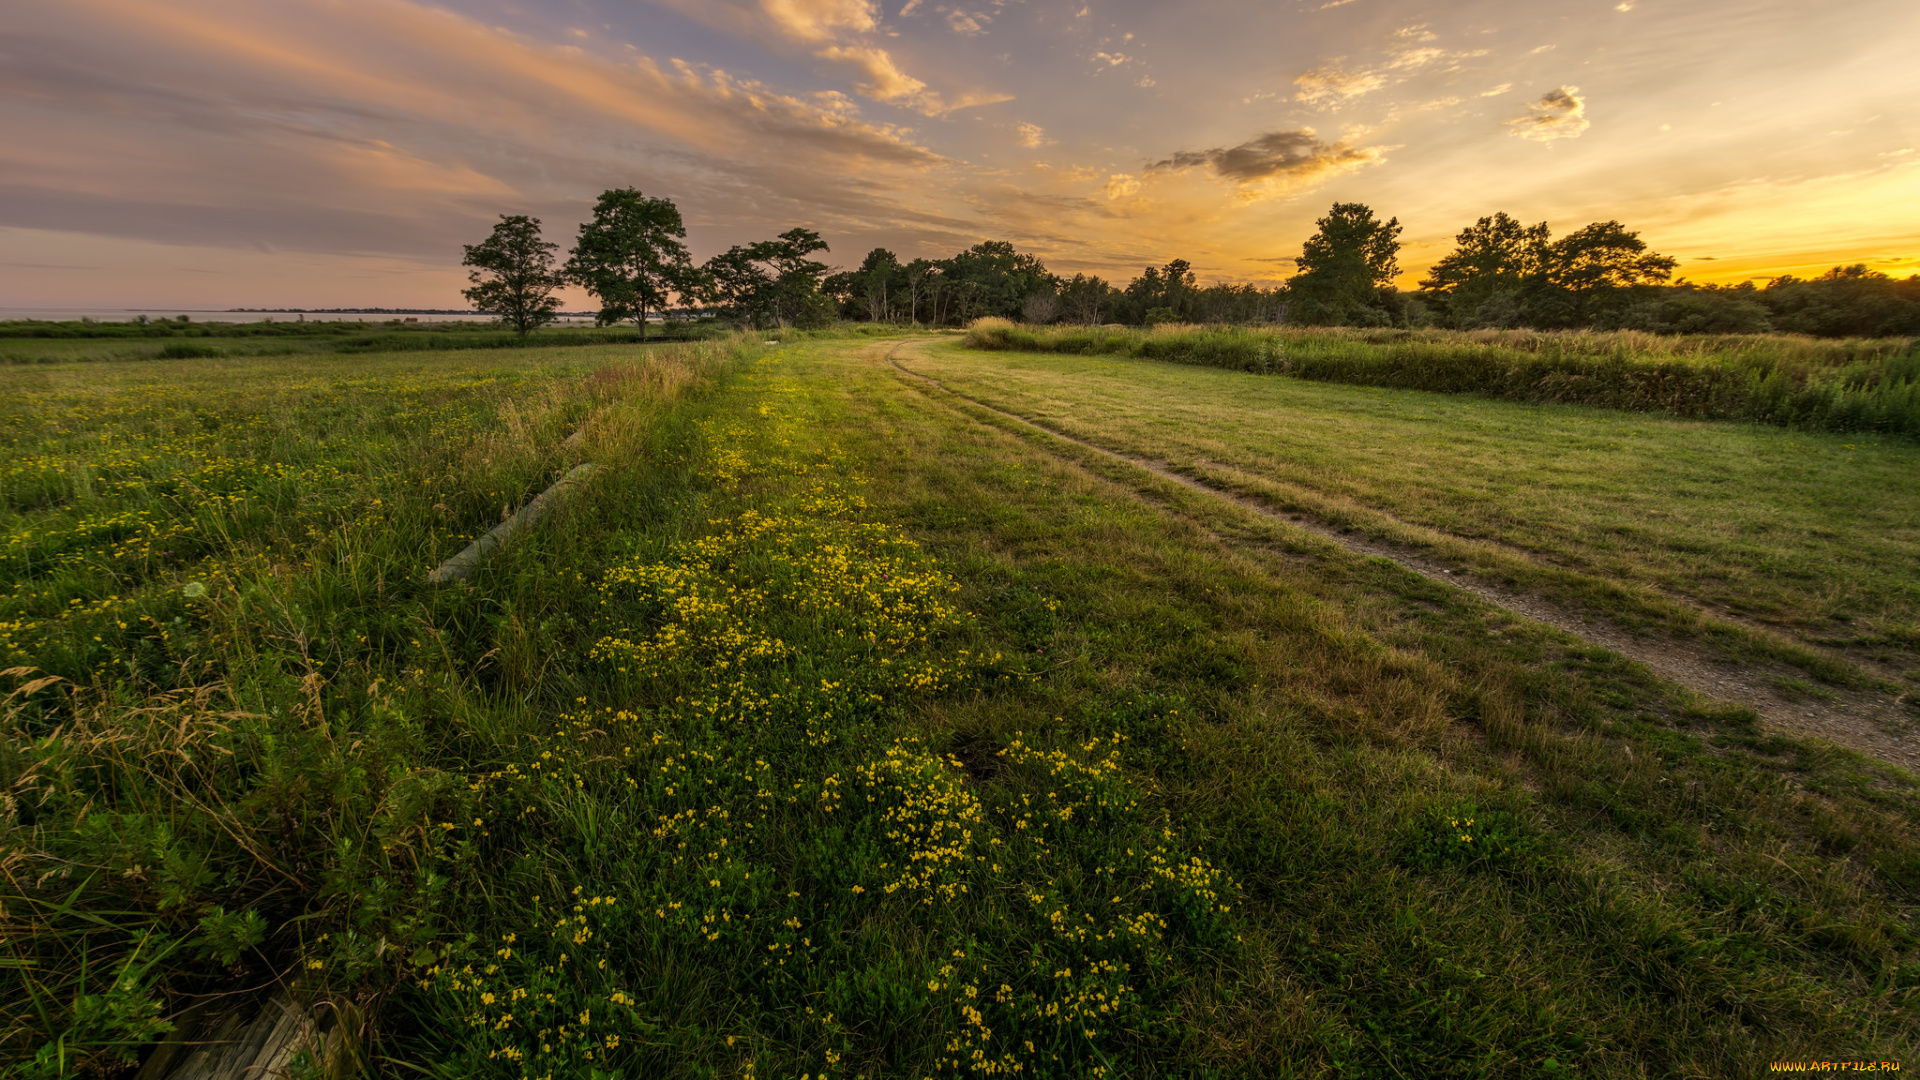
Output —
<point x="1870" y="722"/>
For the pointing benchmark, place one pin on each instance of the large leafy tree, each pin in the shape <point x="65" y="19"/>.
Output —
<point x="1493" y="262"/>
<point x="630" y="256"/>
<point x="1590" y="276"/>
<point x="513" y="274"/>
<point x="772" y="281"/>
<point x="991" y="278"/>
<point x="1345" y="267"/>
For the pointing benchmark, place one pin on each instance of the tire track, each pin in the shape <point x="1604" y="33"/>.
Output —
<point x="1855" y="719"/>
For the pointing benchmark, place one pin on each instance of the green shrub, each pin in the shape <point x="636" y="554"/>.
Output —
<point x="187" y="350"/>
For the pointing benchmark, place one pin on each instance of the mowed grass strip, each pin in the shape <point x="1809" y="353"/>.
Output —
<point x="1813" y="536"/>
<point x="834" y="732"/>
<point x="1338" y="730"/>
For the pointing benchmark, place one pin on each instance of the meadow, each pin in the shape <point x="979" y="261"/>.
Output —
<point x="1848" y="384"/>
<point x="839" y="729"/>
<point x="1758" y="540"/>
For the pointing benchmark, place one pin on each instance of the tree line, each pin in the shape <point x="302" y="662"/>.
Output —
<point x="631" y="257"/>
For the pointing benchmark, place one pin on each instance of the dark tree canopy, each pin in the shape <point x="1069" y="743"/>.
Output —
<point x="1345" y="266"/>
<point x="1502" y="273"/>
<point x="630" y="256"/>
<point x="513" y="274"/>
<point x="1493" y="262"/>
<point x="772" y="281"/>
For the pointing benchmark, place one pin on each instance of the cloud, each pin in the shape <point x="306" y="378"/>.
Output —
<point x="1121" y="185"/>
<point x="1409" y="52"/>
<point x="1561" y="113"/>
<point x="1497" y="91"/>
<point x="884" y="81"/>
<point x="1274" y="162"/>
<point x="1334" y="83"/>
<point x="1033" y="137"/>
<point x="239" y="126"/>
<point x="813" y="21"/>
<point x="968" y="24"/>
<point x="1112" y="59"/>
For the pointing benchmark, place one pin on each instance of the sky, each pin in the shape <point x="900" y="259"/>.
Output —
<point x="320" y="153"/>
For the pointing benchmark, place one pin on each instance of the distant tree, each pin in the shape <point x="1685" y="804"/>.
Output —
<point x="1696" y="309"/>
<point x="1166" y="293"/>
<point x="630" y="256"/>
<point x="796" y="297"/>
<point x="992" y="278"/>
<point x="1344" y="267"/>
<point x="1040" y="308"/>
<point x="1846" y="301"/>
<point x="736" y="284"/>
<point x="1084" y="298"/>
<point x="875" y="281"/>
<point x="1605" y="255"/>
<point x="772" y="281"/>
<point x="915" y="274"/>
<point x="1493" y="262"/>
<point x="513" y="274"/>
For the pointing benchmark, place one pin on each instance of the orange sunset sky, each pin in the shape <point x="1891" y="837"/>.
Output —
<point x="215" y="153"/>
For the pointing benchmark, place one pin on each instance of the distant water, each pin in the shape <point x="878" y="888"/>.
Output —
<point x="130" y="314"/>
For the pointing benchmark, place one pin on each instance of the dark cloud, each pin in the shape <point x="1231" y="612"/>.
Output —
<point x="1288" y="155"/>
<point x="1561" y="113"/>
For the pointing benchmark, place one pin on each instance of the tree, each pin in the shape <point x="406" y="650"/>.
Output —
<point x="736" y="284"/>
<point x="874" y="283"/>
<point x="630" y="256"/>
<point x="991" y="278"/>
<point x="1085" y="297"/>
<point x="771" y="281"/>
<point x="795" y="297"/>
<point x="1345" y="265"/>
<point x="1493" y="261"/>
<point x="916" y="274"/>
<point x="1040" y="308"/>
<point x="513" y="275"/>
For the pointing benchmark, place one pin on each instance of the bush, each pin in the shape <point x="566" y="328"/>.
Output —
<point x="187" y="350"/>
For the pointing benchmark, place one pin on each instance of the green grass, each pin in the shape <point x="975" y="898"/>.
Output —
<point x="1806" y="383"/>
<point x="1810" y="535"/>
<point x="840" y="730"/>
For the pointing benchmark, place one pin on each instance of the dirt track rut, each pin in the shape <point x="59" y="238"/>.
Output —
<point x="1859" y="720"/>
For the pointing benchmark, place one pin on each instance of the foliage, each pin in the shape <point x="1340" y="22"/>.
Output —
<point x="630" y="256"/>
<point x="513" y="274"/>
<point x="771" y="283"/>
<point x="1344" y="268"/>
<point x="1846" y="301"/>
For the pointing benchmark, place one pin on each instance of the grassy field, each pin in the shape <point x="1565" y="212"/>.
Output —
<point x="1815" y="536"/>
<point x="1847" y="385"/>
<point x="840" y="730"/>
<point x="35" y="342"/>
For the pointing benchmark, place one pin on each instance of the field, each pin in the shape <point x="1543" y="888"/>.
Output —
<point x="844" y="727"/>
<point x="1852" y="384"/>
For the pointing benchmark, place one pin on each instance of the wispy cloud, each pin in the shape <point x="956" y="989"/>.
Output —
<point x="1561" y="113"/>
<point x="1409" y="52"/>
<point x="1032" y="136"/>
<point x="968" y="23"/>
